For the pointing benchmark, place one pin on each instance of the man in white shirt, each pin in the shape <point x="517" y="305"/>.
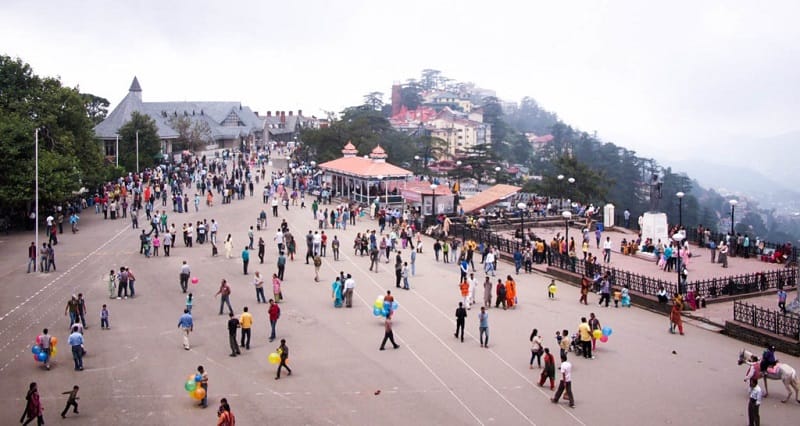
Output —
<point x="753" y="416"/>
<point x="607" y="250"/>
<point x="565" y="383"/>
<point x="279" y="239"/>
<point x="49" y="221"/>
<point x="473" y="289"/>
<point x="349" y="285"/>
<point x="214" y="229"/>
<point x="489" y="264"/>
<point x="317" y="243"/>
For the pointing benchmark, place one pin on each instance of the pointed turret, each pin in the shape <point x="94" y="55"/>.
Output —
<point x="136" y="89"/>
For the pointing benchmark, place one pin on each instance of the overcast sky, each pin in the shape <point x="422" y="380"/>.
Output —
<point x="667" y="79"/>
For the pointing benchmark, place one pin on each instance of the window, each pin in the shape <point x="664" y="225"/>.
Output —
<point x="111" y="148"/>
<point x="232" y="120"/>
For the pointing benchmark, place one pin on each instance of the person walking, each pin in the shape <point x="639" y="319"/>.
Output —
<point x="184" y="276"/>
<point x="607" y="250"/>
<point x="112" y="284"/>
<point x="228" y="246"/>
<point x="483" y="327"/>
<point x="388" y="334"/>
<point x="245" y="259"/>
<point x="32" y="257"/>
<point x="225" y="416"/>
<point x="594" y="324"/>
<point x="536" y="348"/>
<point x="233" y="325"/>
<point x="283" y="352"/>
<point x="76" y="343"/>
<point x="317" y="265"/>
<point x="753" y="403"/>
<point x="277" y="291"/>
<point x="201" y="371"/>
<point x="549" y="371"/>
<point x="404" y="275"/>
<point x="487" y="293"/>
<point x="675" y="319"/>
<point x="566" y="382"/>
<point x="274" y="312"/>
<point x="258" y="283"/>
<point x="72" y="401"/>
<point x="246" y="322"/>
<point x="33" y="407"/>
<point x="225" y="293"/>
<point x="464" y="289"/>
<point x="585" y="336"/>
<point x="186" y="324"/>
<point x="261" y="249"/>
<point x="281" y="264"/>
<point x="349" y="286"/>
<point x="250" y="236"/>
<point x="45" y="343"/>
<point x="104" y="318"/>
<point x="605" y="291"/>
<point x="461" y="317"/>
<point x="82" y="310"/>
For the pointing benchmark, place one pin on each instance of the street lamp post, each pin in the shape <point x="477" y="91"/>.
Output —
<point x="36" y="201"/>
<point x="680" y="196"/>
<point x="416" y="164"/>
<point x="137" y="152"/>
<point x="522" y="208"/>
<point x="570" y="181"/>
<point x="497" y="178"/>
<point x="433" y="201"/>
<point x="457" y="192"/>
<point x="560" y="191"/>
<point x="733" y="204"/>
<point x="567" y="216"/>
<point x="678" y="237"/>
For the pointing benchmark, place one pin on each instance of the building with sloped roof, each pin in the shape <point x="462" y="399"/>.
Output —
<point x="231" y="124"/>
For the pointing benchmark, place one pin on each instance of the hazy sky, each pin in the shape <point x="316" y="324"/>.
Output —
<point x="667" y="79"/>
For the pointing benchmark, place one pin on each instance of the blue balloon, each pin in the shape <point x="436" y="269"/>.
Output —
<point x="607" y="331"/>
<point x="35" y="349"/>
<point x="395" y="305"/>
<point x="198" y="378"/>
<point x="377" y="312"/>
<point x="386" y="312"/>
<point x="42" y="356"/>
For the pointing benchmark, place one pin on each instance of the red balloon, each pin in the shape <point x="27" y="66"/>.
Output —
<point x="604" y="339"/>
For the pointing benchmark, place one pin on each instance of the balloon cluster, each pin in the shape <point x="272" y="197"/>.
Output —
<point x="603" y="334"/>
<point x="382" y="307"/>
<point x="192" y="386"/>
<point x="40" y="354"/>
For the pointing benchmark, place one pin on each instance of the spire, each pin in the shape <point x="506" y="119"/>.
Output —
<point x="136" y="89"/>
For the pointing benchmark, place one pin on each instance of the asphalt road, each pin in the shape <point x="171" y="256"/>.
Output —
<point x="135" y="372"/>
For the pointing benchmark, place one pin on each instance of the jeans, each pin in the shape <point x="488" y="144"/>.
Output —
<point x="460" y="327"/>
<point x="232" y="342"/>
<point x="260" y="295"/>
<point x="130" y="285"/>
<point x="77" y="356"/>
<point x="32" y="261"/>
<point x="123" y="288"/>
<point x="70" y="403"/>
<point x="184" y="282"/>
<point x="246" y="338"/>
<point x="222" y="301"/>
<point x="562" y="386"/>
<point x="204" y="401"/>
<point x="272" y="324"/>
<point x="73" y="318"/>
<point x="484" y="331"/>
<point x="389" y="335"/>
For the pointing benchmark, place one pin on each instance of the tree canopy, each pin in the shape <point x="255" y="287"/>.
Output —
<point x="69" y="155"/>
<point x="149" y="150"/>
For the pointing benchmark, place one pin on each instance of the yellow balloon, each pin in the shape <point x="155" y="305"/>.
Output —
<point x="53" y="352"/>
<point x="199" y="393"/>
<point x="597" y="334"/>
<point x="274" y="358"/>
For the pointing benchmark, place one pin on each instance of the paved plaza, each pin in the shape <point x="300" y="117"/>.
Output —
<point x="136" y="370"/>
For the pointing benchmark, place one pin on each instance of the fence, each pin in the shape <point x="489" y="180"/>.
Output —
<point x="693" y="236"/>
<point x="713" y="287"/>
<point x="765" y="319"/>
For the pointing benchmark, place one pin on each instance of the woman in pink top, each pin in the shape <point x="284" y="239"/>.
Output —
<point x="276" y="288"/>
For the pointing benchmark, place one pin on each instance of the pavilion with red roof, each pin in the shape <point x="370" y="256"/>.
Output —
<point x="365" y="179"/>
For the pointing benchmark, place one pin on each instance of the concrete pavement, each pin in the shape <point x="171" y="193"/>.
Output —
<point x="135" y="371"/>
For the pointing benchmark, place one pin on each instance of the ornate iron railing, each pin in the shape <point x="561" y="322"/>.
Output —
<point x="771" y="320"/>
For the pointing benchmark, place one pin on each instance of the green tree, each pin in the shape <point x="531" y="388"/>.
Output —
<point x="96" y="107"/>
<point x="193" y="134"/>
<point x="411" y="94"/>
<point x="69" y="156"/>
<point x="149" y="143"/>
<point x="374" y="100"/>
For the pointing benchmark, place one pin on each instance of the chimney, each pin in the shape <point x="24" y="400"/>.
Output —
<point x="277" y="113"/>
<point x="299" y="112"/>
<point x="256" y="113"/>
<point x="290" y="113"/>
<point x="269" y="113"/>
<point x="283" y="116"/>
